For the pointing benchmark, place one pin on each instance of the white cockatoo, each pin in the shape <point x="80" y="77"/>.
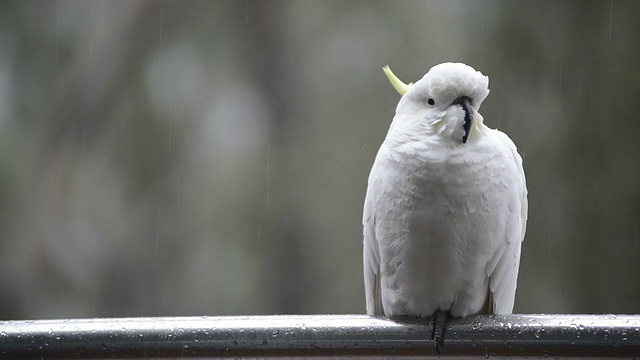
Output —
<point x="446" y="205"/>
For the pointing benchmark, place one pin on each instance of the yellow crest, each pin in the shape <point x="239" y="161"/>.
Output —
<point x="400" y="86"/>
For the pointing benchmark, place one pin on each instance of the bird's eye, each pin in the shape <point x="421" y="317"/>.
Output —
<point x="431" y="102"/>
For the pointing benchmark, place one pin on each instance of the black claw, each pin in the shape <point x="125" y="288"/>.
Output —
<point x="439" y="328"/>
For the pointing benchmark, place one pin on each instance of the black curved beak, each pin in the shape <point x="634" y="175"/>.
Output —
<point x="465" y="102"/>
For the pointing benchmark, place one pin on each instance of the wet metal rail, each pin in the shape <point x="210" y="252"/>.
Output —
<point x="320" y="336"/>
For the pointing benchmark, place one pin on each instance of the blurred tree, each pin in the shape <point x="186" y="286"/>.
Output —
<point x="284" y="275"/>
<point x="194" y="158"/>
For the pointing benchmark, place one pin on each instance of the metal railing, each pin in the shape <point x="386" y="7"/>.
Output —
<point x="321" y="336"/>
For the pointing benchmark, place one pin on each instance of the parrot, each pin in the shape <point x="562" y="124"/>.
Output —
<point x="445" y="210"/>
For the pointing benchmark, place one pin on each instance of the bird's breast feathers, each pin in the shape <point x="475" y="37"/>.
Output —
<point x="440" y="215"/>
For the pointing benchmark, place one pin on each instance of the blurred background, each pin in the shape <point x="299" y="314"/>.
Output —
<point x="163" y="158"/>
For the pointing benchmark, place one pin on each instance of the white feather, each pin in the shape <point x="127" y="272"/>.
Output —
<point x="443" y="220"/>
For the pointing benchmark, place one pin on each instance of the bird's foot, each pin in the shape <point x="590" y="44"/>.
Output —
<point x="439" y="320"/>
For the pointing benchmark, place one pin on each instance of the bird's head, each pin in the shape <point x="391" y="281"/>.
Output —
<point x="444" y="103"/>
